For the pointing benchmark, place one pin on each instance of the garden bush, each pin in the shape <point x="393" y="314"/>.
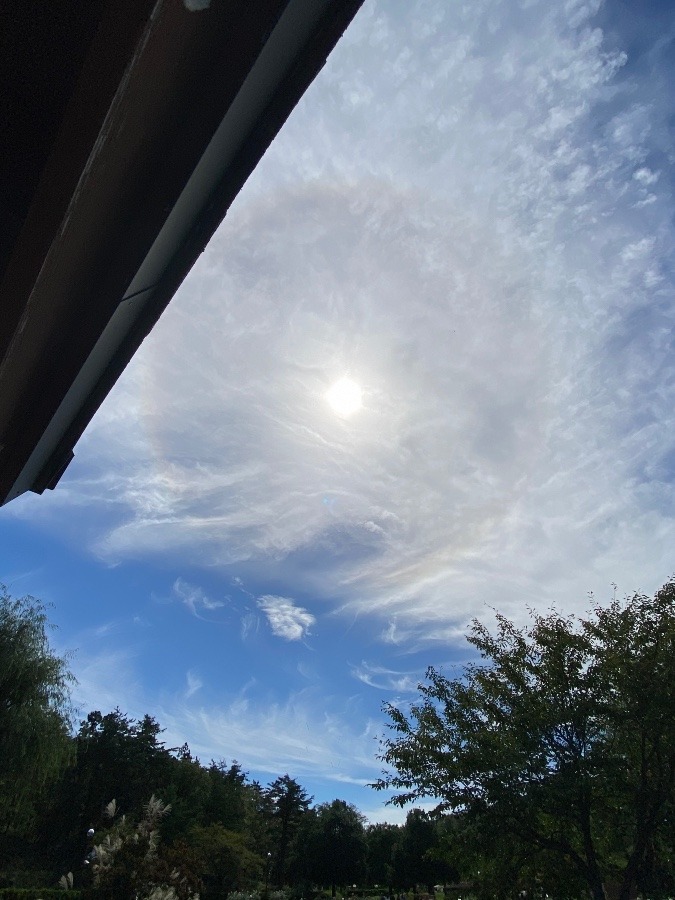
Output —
<point x="14" y="893"/>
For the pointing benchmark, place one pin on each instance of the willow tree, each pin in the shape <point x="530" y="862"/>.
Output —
<point x="34" y="712"/>
<point x="556" y="752"/>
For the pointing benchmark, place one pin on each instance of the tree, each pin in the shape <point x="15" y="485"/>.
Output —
<point x="416" y="860"/>
<point x="129" y="860"/>
<point x="226" y="862"/>
<point x="226" y="802"/>
<point x="289" y="802"/>
<point x="120" y="757"/>
<point x="558" y="750"/>
<point x="34" y="712"/>
<point x="258" y="819"/>
<point x="187" y="793"/>
<point x="334" y="845"/>
<point x="381" y="840"/>
<point x="115" y="756"/>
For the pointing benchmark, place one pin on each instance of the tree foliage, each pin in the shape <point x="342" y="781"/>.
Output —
<point x="381" y="840"/>
<point x="114" y="756"/>
<point x="557" y="751"/>
<point x="415" y="860"/>
<point x="227" y="862"/>
<point x="129" y="860"/>
<point x="288" y="804"/>
<point x="333" y="845"/>
<point x="224" y="832"/>
<point x="34" y="712"/>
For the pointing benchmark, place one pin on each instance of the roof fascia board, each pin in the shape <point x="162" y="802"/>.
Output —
<point x="196" y="213"/>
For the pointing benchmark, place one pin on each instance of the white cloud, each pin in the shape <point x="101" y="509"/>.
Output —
<point x="249" y="625"/>
<point x="457" y="219"/>
<point x="645" y="175"/>
<point x="393" y="815"/>
<point x="310" y="734"/>
<point x="109" y="628"/>
<point x="286" y="619"/>
<point x="193" y="682"/>
<point x="392" y="634"/>
<point x="194" y="597"/>
<point x="382" y="678"/>
<point x="99" y="676"/>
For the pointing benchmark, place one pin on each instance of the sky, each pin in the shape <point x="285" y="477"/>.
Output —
<point x="423" y="371"/>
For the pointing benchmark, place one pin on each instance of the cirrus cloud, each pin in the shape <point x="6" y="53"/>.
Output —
<point x="194" y="597"/>
<point x="470" y="217"/>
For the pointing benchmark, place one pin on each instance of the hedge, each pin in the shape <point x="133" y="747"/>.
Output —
<point x="12" y="893"/>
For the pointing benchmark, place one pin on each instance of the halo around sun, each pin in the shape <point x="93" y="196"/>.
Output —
<point x="345" y="397"/>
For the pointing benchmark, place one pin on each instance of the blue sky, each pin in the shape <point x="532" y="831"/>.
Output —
<point x="470" y="217"/>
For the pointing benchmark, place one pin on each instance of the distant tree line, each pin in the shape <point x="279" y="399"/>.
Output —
<point x="551" y="760"/>
<point x="156" y="810"/>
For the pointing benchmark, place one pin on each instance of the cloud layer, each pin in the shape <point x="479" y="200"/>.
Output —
<point x="469" y="216"/>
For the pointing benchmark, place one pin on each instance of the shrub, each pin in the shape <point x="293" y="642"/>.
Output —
<point x="13" y="893"/>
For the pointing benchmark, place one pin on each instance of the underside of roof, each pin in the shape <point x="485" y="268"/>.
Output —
<point x="130" y="127"/>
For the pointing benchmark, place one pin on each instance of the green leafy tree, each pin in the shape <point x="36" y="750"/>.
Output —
<point x="120" y="757"/>
<point x="381" y="840"/>
<point x="226" y="862"/>
<point x="558" y="749"/>
<point x="417" y="858"/>
<point x="34" y="714"/>
<point x="333" y="845"/>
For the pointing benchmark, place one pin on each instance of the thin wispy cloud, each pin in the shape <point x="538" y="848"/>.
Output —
<point x="249" y="625"/>
<point x="311" y="733"/>
<point x="470" y="218"/>
<point x="478" y="233"/>
<point x="424" y="370"/>
<point x="392" y="634"/>
<point x="100" y="674"/>
<point x="194" y="598"/>
<point x="308" y="734"/>
<point x="194" y="683"/>
<point x="382" y="678"/>
<point x="286" y="619"/>
<point x="114" y="627"/>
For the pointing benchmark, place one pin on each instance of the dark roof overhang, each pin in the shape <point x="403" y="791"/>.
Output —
<point x="154" y="114"/>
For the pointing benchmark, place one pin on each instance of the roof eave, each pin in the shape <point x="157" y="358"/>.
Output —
<point x="132" y="299"/>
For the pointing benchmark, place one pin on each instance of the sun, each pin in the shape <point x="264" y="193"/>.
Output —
<point x="345" y="397"/>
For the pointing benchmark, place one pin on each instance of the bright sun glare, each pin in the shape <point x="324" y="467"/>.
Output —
<point x="345" y="397"/>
